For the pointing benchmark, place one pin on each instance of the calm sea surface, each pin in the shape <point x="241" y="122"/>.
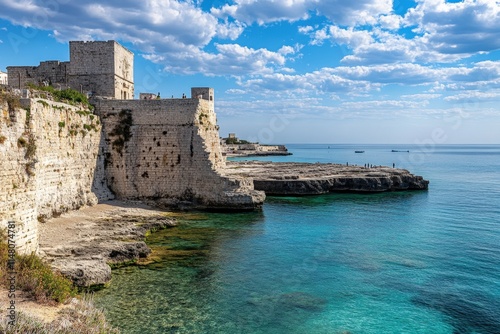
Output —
<point x="406" y="262"/>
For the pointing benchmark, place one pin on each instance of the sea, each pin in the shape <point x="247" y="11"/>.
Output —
<point x="342" y="263"/>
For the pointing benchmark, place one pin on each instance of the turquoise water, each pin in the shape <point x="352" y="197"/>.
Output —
<point x="406" y="262"/>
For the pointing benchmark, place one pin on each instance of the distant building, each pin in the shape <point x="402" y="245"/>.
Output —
<point x="148" y="96"/>
<point x="3" y="78"/>
<point x="104" y="68"/>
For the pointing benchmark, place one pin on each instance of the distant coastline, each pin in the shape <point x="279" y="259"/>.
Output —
<point x="235" y="147"/>
<point x="256" y="153"/>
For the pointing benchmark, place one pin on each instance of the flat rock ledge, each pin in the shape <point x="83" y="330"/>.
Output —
<point x="84" y="244"/>
<point x="300" y="179"/>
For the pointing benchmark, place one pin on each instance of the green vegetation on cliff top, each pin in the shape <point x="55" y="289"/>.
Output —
<point x="67" y="95"/>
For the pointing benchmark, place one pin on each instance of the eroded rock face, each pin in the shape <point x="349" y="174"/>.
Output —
<point x="298" y="179"/>
<point x="48" y="165"/>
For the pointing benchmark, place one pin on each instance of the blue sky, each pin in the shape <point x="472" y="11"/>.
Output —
<point x="295" y="71"/>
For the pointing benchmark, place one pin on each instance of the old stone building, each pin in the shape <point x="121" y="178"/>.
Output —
<point x="103" y="68"/>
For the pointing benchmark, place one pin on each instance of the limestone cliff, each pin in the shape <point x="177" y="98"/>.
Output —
<point x="49" y="153"/>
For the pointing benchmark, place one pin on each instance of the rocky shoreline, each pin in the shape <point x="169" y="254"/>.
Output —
<point x="300" y="179"/>
<point x="83" y="245"/>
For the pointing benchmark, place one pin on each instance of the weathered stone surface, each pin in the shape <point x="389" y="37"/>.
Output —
<point x="298" y="179"/>
<point x="102" y="67"/>
<point x="83" y="244"/>
<point x="56" y="158"/>
<point x="48" y="165"/>
<point x="168" y="151"/>
<point x="84" y="273"/>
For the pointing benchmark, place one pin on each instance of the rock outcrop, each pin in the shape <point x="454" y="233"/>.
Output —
<point x="84" y="245"/>
<point x="299" y="179"/>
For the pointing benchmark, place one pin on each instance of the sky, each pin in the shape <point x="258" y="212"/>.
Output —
<point x="421" y="72"/>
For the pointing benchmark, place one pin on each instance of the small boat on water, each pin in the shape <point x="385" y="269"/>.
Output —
<point x="359" y="151"/>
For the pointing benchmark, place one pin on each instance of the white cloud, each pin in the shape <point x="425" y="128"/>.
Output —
<point x="148" y="23"/>
<point x="350" y="13"/>
<point x="319" y="36"/>
<point x="391" y="22"/>
<point x="265" y="11"/>
<point x="305" y="29"/>
<point x="318" y="82"/>
<point x="349" y="84"/>
<point x="443" y="32"/>
<point x="427" y="96"/>
<point x="286" y="49"/>
<point x="384" y="104"/>
<point x="461" y="28"/>
<point x="350" y="37"/>
<point x="474" y="96"/>
<point x="230" y="59"/>
<point x="235" y="91"/>
<point x="171" y="32"/>
<point x="342" y="12"/>
<point x="230" y="30"/>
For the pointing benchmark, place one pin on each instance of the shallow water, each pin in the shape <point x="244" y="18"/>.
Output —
<point x="406" y="262"/>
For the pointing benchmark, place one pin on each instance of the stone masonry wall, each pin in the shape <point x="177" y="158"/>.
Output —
<point x="49" y="158"/>
<point x="168" y="150"/>
<point x="50" y="71"/>
<point x="124" y="72"/>
<point x="92" y="67"/>
<point x="104" y="67"/>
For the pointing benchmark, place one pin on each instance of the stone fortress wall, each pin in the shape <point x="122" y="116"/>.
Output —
<point x="170" y="153"/>
<point x="102" y="67"/>
<point x="52" y="71"/>
<point x="49" y="164"/>
<point x="55" y="158"/>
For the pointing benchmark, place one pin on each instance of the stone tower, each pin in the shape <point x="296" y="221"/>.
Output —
<point x="103" y="67"/>
<point x="204" y="93"/>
